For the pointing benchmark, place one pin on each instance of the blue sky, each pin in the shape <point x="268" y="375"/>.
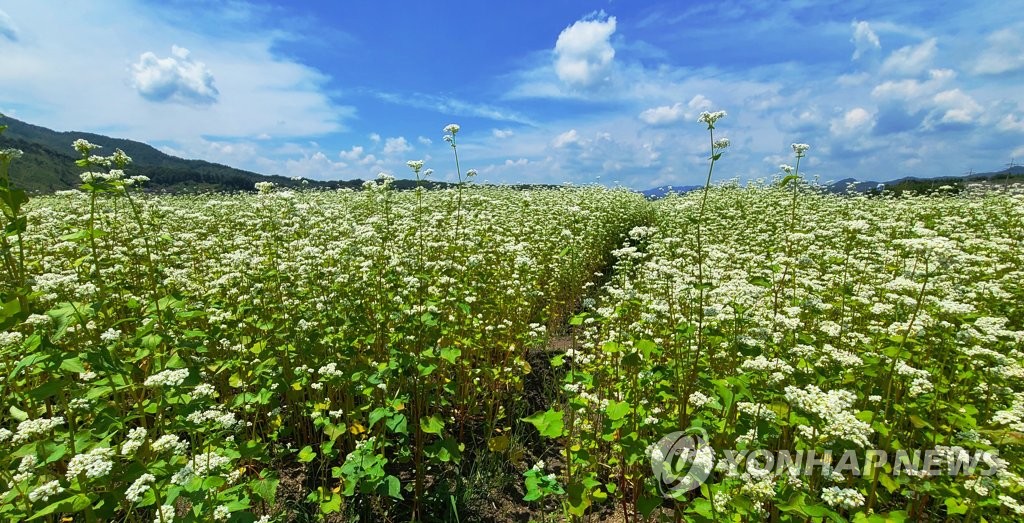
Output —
<point x="546" y="92"/>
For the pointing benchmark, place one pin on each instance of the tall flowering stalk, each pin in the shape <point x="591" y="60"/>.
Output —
<point x="717" y="148"/>
<point x="792" y="177"/>
<point x="450" y="131"/>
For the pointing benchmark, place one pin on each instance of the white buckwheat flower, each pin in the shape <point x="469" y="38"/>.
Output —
<point x="221" y="513"/>
<point x="136" y="437"/>
<point x="94" y="464"/>
<point x="170" y="442"/>
<point x="139" y="487"/>
<point x="167" y="378"/>
<point x="45" y="491"/>
<point x="204" y="390"/>
<point x="842" y="497"/>
<point x="164" y="515"/>
<point x="35" y="427"/>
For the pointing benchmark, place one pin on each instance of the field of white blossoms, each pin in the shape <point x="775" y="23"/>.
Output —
<point x="366" y="355"/>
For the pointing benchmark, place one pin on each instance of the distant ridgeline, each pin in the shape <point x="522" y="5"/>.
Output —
<point x="910" y="184"/>
<point x="48" y="165"/>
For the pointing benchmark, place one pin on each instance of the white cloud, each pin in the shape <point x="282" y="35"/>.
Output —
<point x="453" y="107"/>
<point x="912" y="59"/>
<point x="374" y="137"/>
<point x="424" y="140"/>
<point x="854" y="121"/>
<point x="957" y="107"/>
<point x="1011" y="123"/>
<point x="669" y="114"/>
<point x="864" y="39"/>
<point x="566" y="138"/>
<point x="913" y="91"/>
<point x="502" y="133"/>
<point x="700" y="103"/>
<point x="7" y="28"/>
<point x="177" y="78"/>
<point x="353" y="154"/>
<point x="583" y="52"/>
<point x="1004" y="54"/>
<point x="664" y="115"/>
<point x="396" y="145"/>
<point x="316" y="166"/>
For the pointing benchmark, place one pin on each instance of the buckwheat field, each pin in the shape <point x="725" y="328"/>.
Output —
<point x="487" y="353"/>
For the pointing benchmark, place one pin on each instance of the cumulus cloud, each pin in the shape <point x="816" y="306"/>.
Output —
<point x="1011" y="123"/>
<point x="353" y="154"/>
<point x="567" y="138"/>
<point x="669" y="114"/>
<point x="7" y="28"/>
<point x="956" y="107"/>
<point x="1005" y="53"/>
<point x="502" y="133"/>
<point x="177" y="78"/>
<point x="913" y="91"/>
<point x="316" y="166"/>
<point x="854" y="121"/>
<point x="912" y="59"/>
<point x="583" y="51"/>
<point x="424" y="140"/>
<point x="396" y="145"/>
<point x="864" y="39"/>
<point x="664" y="115"/>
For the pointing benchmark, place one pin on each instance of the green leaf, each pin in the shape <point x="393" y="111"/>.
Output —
<point x="647" y="505"/>
<point x="498" y="443"/>
<point x="330" y="502"/>
<point x="18" y="414"/>
<point x="953" y="506"/>
<point x="450" y="354"/>
<point x="789" y="178"/>
<point x="394" y="487"/>
<point x="378" y="414"/>
<point x="265" y="488"/>
<point x="920" y="422"/>
<point x="549" y="423"/>
<point x="432" y="425"/>
<point x="618" y="409"/>
<point x="67" y="505"/>
<point x="398" y="424"/>
<point x="9" y="309"/>
<point x="887" y="482"/>
<point x="73" y="365"/>
<point x="306" y="454"/>
<point x="578" y="498"/>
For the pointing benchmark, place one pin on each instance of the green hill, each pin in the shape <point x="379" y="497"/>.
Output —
<point x="48" y="164"/>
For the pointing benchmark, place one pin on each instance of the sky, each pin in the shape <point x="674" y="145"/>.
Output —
<point x="559" y="91"/>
